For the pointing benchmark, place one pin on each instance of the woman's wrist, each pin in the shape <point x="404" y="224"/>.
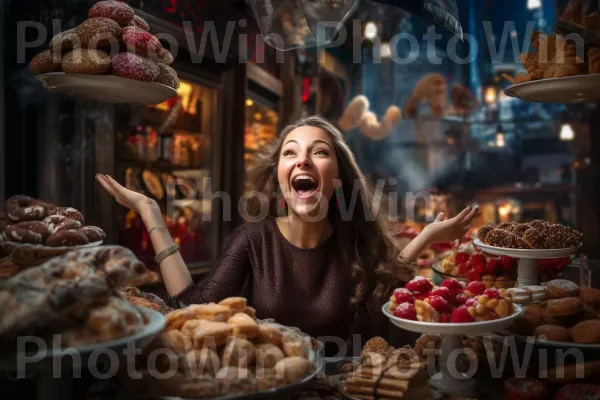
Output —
<point x="151" y="214"/>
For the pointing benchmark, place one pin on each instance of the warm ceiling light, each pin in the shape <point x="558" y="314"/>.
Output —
<point x="370" y="30"/>
<point x="249" y="102"/>
<point x="385" y="51"/>
<point x="490" y="95"/>
<point x="534" y="4"/>
<point x="500" y="139"/>
<point x="566" y="133"/>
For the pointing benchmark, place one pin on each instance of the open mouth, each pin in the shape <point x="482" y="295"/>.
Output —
<point x="304" y="185"/>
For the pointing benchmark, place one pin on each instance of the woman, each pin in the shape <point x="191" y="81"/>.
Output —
<point x="320" y="260"/>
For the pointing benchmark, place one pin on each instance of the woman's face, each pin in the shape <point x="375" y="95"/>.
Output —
<point x="307" y="169"/>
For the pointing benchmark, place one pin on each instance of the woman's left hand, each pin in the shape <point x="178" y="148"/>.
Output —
<point x="449" y="230"/>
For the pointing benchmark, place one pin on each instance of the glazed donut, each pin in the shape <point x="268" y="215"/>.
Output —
<point x="140" y="23"/>
<point x="93" y="233"/>
<point x="86" y="61"/>
<point x="132" y="66"/>
<point x="59" y="223"/>
<point x="66" y="40"/>
<point x="34" y="232"/>
<point x="24" y="208"/>
<point x="499" y="238"/>
<point x="140" y="41"/>
<point x="67" y="238"/>
<point x="45" y="62"/>
<point x="117" y="11"/>
<point x="68" y="212"/>
<point x="99" y="32"/>
<point x="167" y="76"/>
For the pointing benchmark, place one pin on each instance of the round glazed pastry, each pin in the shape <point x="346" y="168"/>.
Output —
<point x="499" y="238"/>
<point x="140" y="41"/>
<point x="586" y="332"/>
<point x="534" y="239"/>
<point x="65" y="40"/>
<point x="132" y="66"/>
<point x="589" y="296"/>
<point x="45" y="62"/>
<point x="67" y="238"/>
<point x="162" y="56"/>
<point x="93" y="233"/>
<point x="34" y="232"/>
<point x="68" y="212"/>
<point x="203" y="362"/>
<point x="116" y="10"/>
<point x="25" y="208"/>
<point x="140" y="23"/>
<point x="483" y="231"/>
<point x="292" y="369"/>
<point x="517" y="242"/>
<point x="239" y="353"/>
<point x="559" y="288"/>
<point x="564" y="307"/>
<point x="268" y="355"/>
<point x="59" y="223"/>
<point x="520" y="229"/>
<point x="167" y="76"/>
<point x="525" y="388"/>
<point x="552" y="332"/>
<point x="99" y="32"/>
<point x="235" y="380"/>
<point x="86" y="61"/>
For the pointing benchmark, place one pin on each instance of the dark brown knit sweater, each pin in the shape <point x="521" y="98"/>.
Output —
<point x="305" y="288"/>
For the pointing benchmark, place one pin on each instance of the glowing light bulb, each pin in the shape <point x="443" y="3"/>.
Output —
<point x="566" y="133"/>
<point x="500" y="140"/>
<point x="490" y="95"/>
<point x="249" y="102"/>
<point x="370" y="30"/>
<point x="385" y="51"/>
<point x="534" y="4"/>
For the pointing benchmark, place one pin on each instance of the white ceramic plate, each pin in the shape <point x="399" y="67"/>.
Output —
<point x="572" y="89"/>
<point x="525" y="253"/>
<point x="28" y="246"/>
<point x="471" y="328"/>
<point x="107" y="88"/>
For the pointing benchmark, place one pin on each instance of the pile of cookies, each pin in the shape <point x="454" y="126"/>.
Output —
<point x="385" y="372"/>
<point x="112" y="40"/>
<point x="222" y="349"/>
<point x="571" y="314"/>
<point x="32" y="221"/>
<point x="537" y="234"/>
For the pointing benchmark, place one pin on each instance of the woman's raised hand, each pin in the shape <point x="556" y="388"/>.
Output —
<point x="449" y="230"/>
<point x="125" y="197"/>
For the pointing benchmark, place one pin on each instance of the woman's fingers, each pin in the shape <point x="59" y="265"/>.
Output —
<point x="440" y="217"/>
<point x="105" y="185"/>
<point x="463" y="214"/>
<point x="470" y="216"/>
<point x="110" y="189"/>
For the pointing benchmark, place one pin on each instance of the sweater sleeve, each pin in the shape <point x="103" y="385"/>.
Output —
<point x="225" y="280"/>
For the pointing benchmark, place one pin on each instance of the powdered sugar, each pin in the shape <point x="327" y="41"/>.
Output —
<point x="140" y="41"/>
<point x="132" y="66"/>
<point x="115" y="10"/>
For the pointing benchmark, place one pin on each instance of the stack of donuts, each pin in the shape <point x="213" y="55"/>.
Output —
<point x="537" y="234"/>
<point x="112" y="40"/>
<point x="32" y="221"/>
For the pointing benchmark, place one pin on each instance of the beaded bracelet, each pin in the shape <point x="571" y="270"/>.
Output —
<point x="166" y="253"/>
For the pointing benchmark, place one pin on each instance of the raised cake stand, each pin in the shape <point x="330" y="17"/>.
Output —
<point x="449" y="380"/>
<point x="527" y="270"/>
<point x="54" y="369"/>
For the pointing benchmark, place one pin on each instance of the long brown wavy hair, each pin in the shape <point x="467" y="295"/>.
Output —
<point x="363" y="241"/>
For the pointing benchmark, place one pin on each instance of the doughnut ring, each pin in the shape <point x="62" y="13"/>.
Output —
<point x="34" y="232"/>
<point x="67" y="238"/>
<point x="24" y="208"/>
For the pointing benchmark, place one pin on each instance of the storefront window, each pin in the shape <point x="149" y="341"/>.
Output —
<point x="261" y="129"/>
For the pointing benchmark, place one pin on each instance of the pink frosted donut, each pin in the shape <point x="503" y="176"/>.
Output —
<point x="117" y="11"/>
<point x="34" y="232"/>
<point x="68" y="212"/>
<point x="132" y="66"/>
<point x="140" y="23"/>
<point x="25" y="208"/>
<point x="167" y="76"/>
<point x="140" y="41"/>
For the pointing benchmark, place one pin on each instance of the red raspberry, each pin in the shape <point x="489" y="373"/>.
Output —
<point x="452" y="284"/>
<point x="476" y="287"/>
<point x="421" y="296"/>
<point x="463" y="269"/>
<point x="478" y="258"/>
<point x="492" y="266"/>
<point x="441" y="291"/>
<point x="472" y="302"/>
<point x="445" y="318"/>
<point x="440" y="304"/>
<point x="461" y="257"/>
<point x="460" y="300"/>
<point x="406" y="311"/>
<point x="492" y="293"/>
<point x="480" y="269"/>
<point x="419" y="284"/>
<point x="403" y="296"/>
<point x="460" y="315"/>
<point x="508" y="264"/>
<point x="474" y="276"/>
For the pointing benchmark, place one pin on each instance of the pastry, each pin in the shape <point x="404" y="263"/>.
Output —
<point x="67" y="238"/>
<point x="239" y="352"/>
<point x="267" y="355"/>
<point x="68" y="212"/>
<point x="534" y="310"/>
<point x="559" y="288"/>
<point x="586" y="332"/>
<point x="211" y="312"/>
<point x="177" y="318"/>
<point x="64" y="41"/>
<point x="250" y="311"/>
<point x="294" y="345"/>
<point x="425" y="312"/>
<point x="202" y="362"/>
<point x="34" y="232"/>
<point x="506" y="225"/>
<point x="376" y="345"/>
<point x="534" y="239"/>
<point x="538" y="224"/>
<point x="270" y="334"/>
<point x="291" y="369"/>
<point x="58" y="223"/>
<point x="517" y="242"/>
<point x="427" y="342"/>
<point x="266" y="379"/>
<point x="520" y="296"/>
<point x="164" y="57"/>
<point x="132" y="66"/>
<point x="140" y="42"/>
<point x="45" y="62"/>
<point x="525" y="389"/>
<point x="552" y="332"/>
<point x="175" y="340"/>
<point x="93" y="233"/>
<point x="483" y="231"/>
<point x="116" y="10"/>
<point x="232" y="379"/>
<point x="520" y="229"/>
<point x="236" y="304"/>
<point x="564" y="307"/>
<point x="590" y="297"/>
<point x="24" y="208"/>
<point x="188" y="328"/>
<point x="140" y="23"/>
<point x="100" y="32"/>
<point x="210" y="334"/>
<point x="86" y="61"/>
<point x="148" y="300"/>
<point x="499" y="238"/>
<point x="167" y="76"/>
<point x="537" y="293"/>
<point x="243" y="325"/>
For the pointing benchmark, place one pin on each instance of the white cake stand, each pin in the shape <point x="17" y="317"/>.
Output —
<point x="527" y="271"/>
<point x="449" y="380"/>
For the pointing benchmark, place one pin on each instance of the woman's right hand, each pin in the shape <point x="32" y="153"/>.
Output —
<point x="127" y="198"/>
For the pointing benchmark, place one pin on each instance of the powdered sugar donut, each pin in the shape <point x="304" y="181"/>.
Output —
<point x="132" y="66"/>
<point x="167" y="76"/>
<point x="98" y="33"/>
<point x="162" y="56"/>
<point x="68" y="212"/>
<point x="67" y="238"/>
<point x="34" y="232"/>
<point x="59" y="222"/>
<point x="86" y="61"/>
<point x="24" y="208"/>
<point x="140" y="41"/>
<point x="140" y="23"/>
<point x="117" y="11"/>
<point x="93" y="233"/>
<point x="66" y="40"/>
<point x="45" y="62"/>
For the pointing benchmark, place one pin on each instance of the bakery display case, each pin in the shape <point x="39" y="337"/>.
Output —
<point x="262" y="122"/>
<point x="165" y="151"/>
